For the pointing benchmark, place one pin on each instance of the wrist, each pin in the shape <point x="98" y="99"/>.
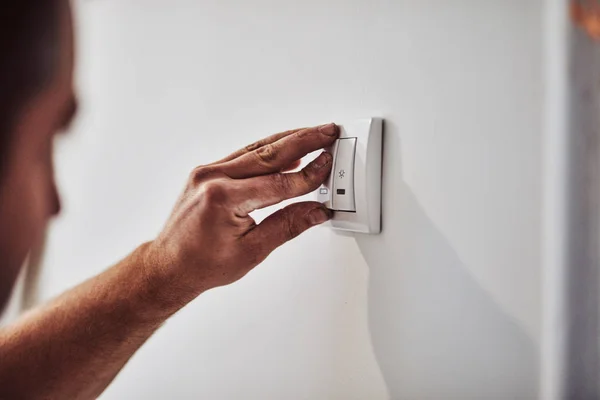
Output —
<point x="162" y="289"/>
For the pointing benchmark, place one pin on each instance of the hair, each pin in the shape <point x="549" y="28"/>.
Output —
<point x="29" y="56"/>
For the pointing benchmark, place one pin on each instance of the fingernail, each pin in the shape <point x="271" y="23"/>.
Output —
<point x="329" y="129"/>
<point x="323" y="160"/>
<point x="319" y="216"/>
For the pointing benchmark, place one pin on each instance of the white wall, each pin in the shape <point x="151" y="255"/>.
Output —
<point x="444" y="304"/>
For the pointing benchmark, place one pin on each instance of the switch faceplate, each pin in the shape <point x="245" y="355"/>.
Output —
<point x="342" y="191"/>
<point x="353" y="190"/>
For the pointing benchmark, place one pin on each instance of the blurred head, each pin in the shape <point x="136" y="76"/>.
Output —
<point x="36" y="103"/>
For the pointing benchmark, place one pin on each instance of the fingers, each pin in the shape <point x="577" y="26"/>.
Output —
<point x="292" y="166"/>
<point x="263" y="191"/>
<point x="286" y="224"/>
<point x="274" y="157"/>
<point x="257" y="145"/>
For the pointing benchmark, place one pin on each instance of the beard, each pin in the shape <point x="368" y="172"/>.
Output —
<point x="11" y="266"/>
<point x="9" y="273"/>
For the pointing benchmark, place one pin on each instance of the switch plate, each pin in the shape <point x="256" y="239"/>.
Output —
<point x="342" y="174"/>
<point x="357" y="176"/>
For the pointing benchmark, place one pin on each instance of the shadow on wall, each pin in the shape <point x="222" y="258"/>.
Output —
<point x="436" y="334"/>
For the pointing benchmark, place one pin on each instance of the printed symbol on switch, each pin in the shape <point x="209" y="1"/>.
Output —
<point x="342" y="173"/>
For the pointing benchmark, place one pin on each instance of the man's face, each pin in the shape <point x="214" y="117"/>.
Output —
<point x="28" y="194"/>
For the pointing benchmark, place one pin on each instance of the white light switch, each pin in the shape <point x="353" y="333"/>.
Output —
<point x="343" y="176"/>
<point x="353" y="190"/>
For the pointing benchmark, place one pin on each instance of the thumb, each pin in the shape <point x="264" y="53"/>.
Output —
<point x="287" y="224"/>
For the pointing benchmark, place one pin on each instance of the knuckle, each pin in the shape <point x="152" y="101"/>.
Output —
<point x="214" y="191"/>
<point x="282" y="183"/>
<point x="304" y="133"/>
<point x="310" y="178"/>
<point x="200" y="174"/>
<point x="254" y="146"/>
<point x="290" y="228"/>
<point x="266" y="154"/>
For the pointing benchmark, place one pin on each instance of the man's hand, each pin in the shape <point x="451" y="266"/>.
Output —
<point x="74" y="347"/>
<point x="211" y="240"/>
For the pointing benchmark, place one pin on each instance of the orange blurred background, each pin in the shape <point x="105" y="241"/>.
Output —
<point x="586" y="14"/>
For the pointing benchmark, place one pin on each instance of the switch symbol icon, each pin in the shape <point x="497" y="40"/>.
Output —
<point x="342" y="173"/>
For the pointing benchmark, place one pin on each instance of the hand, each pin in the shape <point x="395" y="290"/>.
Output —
<point x="210" y="240"/>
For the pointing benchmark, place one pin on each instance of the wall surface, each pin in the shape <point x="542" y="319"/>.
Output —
<point x="444" y="304"/>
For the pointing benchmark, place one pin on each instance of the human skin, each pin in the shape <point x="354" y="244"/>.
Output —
<point x="73" y="347"/>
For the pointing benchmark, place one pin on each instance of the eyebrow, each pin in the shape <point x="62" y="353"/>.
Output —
<point x="69" y="113"/>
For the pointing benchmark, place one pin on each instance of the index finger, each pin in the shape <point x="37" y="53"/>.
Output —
<point x="276" y="156"/>
<point x="257" y="145"/>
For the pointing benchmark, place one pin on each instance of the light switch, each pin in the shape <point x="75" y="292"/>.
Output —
<point x="343" y="176"/>
<point x="353" y="190"/>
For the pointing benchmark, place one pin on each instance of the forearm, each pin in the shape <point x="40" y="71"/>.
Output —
<point x="73" y="347"/>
